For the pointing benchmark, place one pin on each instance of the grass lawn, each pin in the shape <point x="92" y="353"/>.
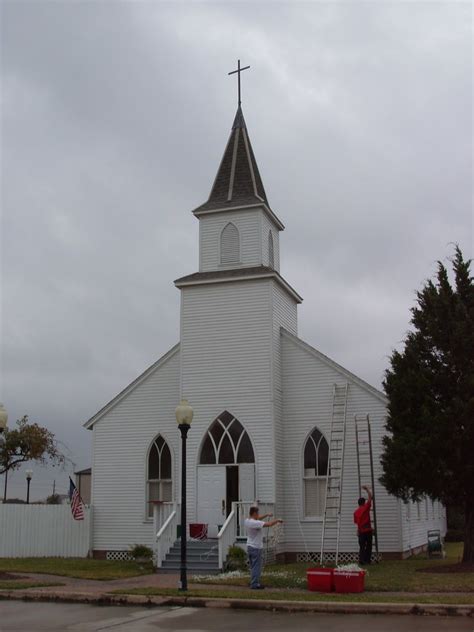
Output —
<point x="293" y="595"/>
<point x="18" y="585"/>
<point x="390" y="576"/>
<point x="75" y="567"/>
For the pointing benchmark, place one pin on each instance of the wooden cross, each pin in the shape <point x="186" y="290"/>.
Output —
<point x="239" y="70"/>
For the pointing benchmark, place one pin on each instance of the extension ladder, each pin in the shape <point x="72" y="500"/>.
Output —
<point x="365" y="467"/>
<point x="331" y="527"/>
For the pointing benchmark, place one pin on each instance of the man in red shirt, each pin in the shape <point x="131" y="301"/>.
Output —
<point x="364" y="527"/>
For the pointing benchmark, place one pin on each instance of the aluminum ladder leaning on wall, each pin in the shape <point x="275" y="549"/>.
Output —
<point x="365" y="467"/>
<point x="331" y="527"/>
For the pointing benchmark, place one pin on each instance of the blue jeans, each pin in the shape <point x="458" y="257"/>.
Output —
<point x="255" y="562"/>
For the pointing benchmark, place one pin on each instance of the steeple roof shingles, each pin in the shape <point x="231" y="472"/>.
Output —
<point x="238" y="181"/>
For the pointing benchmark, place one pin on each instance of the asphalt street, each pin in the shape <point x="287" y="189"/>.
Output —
<point x="52" y="617"/>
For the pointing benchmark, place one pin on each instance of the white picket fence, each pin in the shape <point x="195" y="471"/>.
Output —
<point x="43" y="531"/>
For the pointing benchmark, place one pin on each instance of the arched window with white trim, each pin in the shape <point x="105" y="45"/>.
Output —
<point x="226" y="442"/>
<point x="159" y="478"/>
<point x="230" y="244"/>
<point x="271" y="255"/>
<point x="316" y="460"/>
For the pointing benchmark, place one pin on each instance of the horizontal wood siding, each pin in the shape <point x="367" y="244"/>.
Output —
<point x="210" y="228"/>
<point x="122" y="438"/>
<point x="285" y="315"/>
<point x="308" y="395"/>
<point x="267" y="226"/>
<point x="225" y="365"/>
<point x="416" y="522"/>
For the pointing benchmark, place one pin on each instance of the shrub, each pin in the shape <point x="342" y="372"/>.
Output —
<point x="141" y="551"/>
<point x="237" y="553"/>
<point x="236" y="559"/>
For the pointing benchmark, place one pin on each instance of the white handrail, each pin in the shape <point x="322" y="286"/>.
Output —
<point x="165" y="538"/>
<point x="226" y="536"/>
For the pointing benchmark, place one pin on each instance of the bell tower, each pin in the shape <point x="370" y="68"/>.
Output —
<point x="232" y="313"/>
<point x="237" y="227"/>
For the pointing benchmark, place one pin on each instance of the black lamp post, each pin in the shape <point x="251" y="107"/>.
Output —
<point x="29" y="475"/>
<point x="184" y="417"/>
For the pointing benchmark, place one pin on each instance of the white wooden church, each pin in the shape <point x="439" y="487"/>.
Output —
<point x="274" y="418"/>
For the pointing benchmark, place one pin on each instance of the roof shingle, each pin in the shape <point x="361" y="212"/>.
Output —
<point x="238" y="181"/>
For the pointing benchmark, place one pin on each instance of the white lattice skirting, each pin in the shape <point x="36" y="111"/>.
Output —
<point x="122" y="556"/>
<point x="343" y="558"/>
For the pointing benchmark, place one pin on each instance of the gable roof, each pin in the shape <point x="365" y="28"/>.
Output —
<point x="334" y="365"/>
<point x="132" y="386"/>
<point x="238" y="182"/>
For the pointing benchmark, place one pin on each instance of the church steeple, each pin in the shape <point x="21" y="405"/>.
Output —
<point x="238" y="231"/>
<point x="238" y="182"/>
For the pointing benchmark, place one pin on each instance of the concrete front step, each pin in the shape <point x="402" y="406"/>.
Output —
<point x="201" y="557"/>
<point x="190" y="571"/>
<point x="176" y="559"/>
<point x="194" y="568"/>
<point x="191" y="566"/>
<point x="196" y="549"/>
<point x="198" y="544"/>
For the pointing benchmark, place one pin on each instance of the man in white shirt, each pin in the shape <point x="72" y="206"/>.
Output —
<point x="254" y="525"/>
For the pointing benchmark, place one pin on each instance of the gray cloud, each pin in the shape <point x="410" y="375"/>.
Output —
<point x="114" y="120"/>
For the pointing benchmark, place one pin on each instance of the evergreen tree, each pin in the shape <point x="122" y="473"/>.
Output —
<point x="430" y="386"/>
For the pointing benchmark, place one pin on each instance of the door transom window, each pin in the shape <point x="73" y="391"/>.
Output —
<point x="226" y="442"/>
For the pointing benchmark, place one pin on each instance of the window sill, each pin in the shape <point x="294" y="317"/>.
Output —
<point x="315" y="519"/>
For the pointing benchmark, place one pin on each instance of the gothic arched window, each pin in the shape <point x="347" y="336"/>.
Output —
<point x="159" y="478"/>
<point x="226" y="442"/>
<point x="271" y="255"/>
<point x="230" y="244"/>
<point x="316" y="460"/>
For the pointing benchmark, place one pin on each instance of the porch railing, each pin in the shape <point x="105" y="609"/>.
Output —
<point x="226" y="536"/>
<point x="166" y="537"/>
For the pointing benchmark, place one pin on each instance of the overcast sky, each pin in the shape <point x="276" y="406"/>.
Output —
<point x="114" y="120"/>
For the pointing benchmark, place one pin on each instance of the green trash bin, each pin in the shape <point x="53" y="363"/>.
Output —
<point x="435" y="544"/>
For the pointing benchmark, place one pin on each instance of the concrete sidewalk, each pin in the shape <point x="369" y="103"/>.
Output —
<point x="96" y="591"/>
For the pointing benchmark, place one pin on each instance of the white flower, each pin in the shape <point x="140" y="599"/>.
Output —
<point x="349" y="568"/>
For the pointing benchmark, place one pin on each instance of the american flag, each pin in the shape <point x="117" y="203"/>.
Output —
<point x="77" y="508"/>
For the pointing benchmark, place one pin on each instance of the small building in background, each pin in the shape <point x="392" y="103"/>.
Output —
<point x="83" y="484"/>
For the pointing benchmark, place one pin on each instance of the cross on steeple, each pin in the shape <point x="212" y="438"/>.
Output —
<point x="239" y="70"/>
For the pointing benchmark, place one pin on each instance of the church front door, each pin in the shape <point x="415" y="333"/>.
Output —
<point x="211" y="496"/>
<point x="218" y="487"/>
<point x="226" y="471"/>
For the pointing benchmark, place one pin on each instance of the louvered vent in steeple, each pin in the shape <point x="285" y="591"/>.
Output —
<point x="230" y="244"/>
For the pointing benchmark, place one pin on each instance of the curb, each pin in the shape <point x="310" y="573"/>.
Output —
<point x="463" y="610"/>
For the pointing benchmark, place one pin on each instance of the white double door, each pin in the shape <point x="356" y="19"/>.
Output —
<point x="212" y="488"/>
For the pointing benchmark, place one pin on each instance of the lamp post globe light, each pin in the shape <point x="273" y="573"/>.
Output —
<point x="29" y="476"/>
<point x="184" y="417"/>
